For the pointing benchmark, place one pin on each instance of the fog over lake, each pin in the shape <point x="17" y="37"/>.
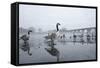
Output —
<point x="46" y="17"/>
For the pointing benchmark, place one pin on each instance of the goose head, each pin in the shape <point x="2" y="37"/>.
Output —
<point x="57" y="26"/>
<point x="29" y="31"/>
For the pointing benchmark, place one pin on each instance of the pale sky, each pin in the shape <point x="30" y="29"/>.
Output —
<point x="46" y="17"/>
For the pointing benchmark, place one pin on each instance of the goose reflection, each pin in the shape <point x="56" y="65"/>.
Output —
<point x="54" y="52"/>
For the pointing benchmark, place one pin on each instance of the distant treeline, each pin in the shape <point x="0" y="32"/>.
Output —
<point x="22" y="30"/>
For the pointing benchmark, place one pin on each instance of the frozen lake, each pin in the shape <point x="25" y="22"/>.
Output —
<point x="68" y="51"/>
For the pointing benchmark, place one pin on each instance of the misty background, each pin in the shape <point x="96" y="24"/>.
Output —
<point x="44" y="18"/>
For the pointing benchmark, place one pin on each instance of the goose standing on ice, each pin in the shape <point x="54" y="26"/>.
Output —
<point x="25" y="38"/>
<point x="58" y="34"/>
<point x="53" y="34"/>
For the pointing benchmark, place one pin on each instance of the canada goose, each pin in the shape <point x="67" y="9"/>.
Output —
<point x="53" y="34"/>
<point x="25" y="38"/>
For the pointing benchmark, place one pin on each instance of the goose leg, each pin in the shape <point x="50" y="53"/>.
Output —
<point x="29" y="51"/>
<point x="28" y="48"/>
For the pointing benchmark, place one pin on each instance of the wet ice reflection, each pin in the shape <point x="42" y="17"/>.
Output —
<point x="52" y="50"/>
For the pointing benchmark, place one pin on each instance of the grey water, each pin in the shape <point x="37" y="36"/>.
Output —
<point x="68" y="51"/>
